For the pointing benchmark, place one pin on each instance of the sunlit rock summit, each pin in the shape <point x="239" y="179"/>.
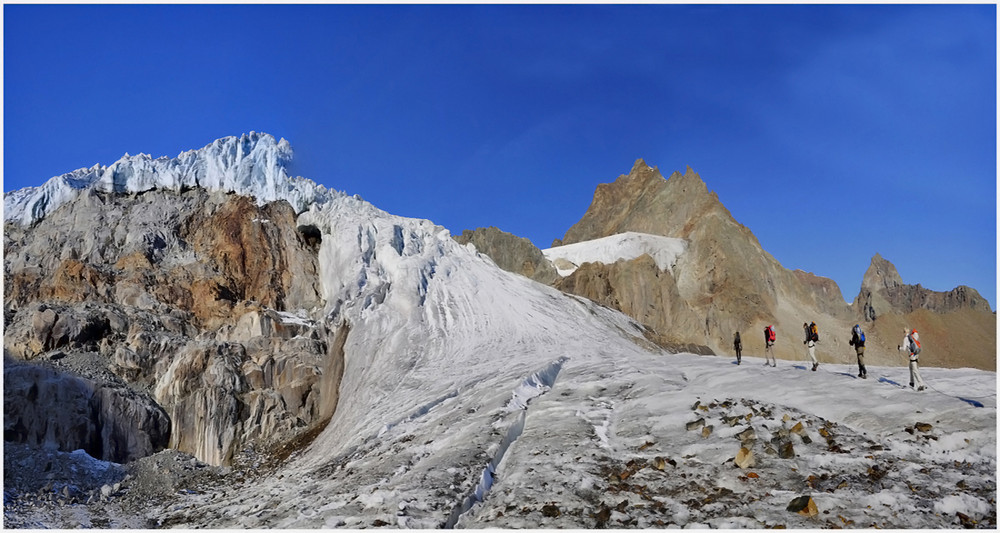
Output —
<point x="725" y="282"/>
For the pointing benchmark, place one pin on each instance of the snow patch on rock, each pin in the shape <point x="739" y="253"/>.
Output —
<point x="623" y="246"/>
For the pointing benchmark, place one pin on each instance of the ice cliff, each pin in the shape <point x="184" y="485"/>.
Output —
<point x="251" y="165"/>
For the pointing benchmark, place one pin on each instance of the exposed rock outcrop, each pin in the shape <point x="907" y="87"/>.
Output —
<point x="46" y="407"/>
<point x="641" y="290"/>
<point x="725" y="278"/>
<point x="725" y="282"/>
<point x="197" y="252"/>
<point x="511" y="253"/>
<point x="883" y="291"/>
<point x="200" y="299"/>
<point x="957" y="327"/>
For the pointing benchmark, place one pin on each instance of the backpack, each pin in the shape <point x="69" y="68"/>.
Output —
<point x="860" y="334"/>
<point x="813" y="332"/>
<point x="914" y="345"/>
<point x="770" y="333"/>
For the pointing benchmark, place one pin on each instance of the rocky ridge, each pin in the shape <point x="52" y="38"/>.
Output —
<point x="511" y="253"/>
<point x="726" y="282"/>
<point x="153" y="305"/>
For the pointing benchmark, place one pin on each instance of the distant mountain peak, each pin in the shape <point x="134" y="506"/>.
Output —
<point x="881" y="274"/>
<point x="882" y="290"/>
<point x="252" y="164"/>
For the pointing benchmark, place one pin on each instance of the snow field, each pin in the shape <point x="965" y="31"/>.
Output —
<point x="624" y="246"/>
<point x="472" y="397"/>
<point x="446" y="417"/>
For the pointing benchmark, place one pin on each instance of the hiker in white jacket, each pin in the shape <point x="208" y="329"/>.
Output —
<point x="911" y="345"/>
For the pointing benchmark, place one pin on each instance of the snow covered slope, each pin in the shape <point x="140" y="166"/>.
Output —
<point x="473" y="397"/>
<point x="627" y="441"/>
<point x="252" y="165"/>
<point x="607" y="250"/>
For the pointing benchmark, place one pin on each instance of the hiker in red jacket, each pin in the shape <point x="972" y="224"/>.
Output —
<point x="769" y="336"/>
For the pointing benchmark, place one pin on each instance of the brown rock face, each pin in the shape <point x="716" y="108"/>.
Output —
<point x="883" y="291"/>
<point x="725" y="278"/>
<point x="45" y="407"/>
<point x="725" y="282"/>
<point x="957" y="328"/>
<point x="186" y="298"/>
<point x="511" y="253"/>
<point x="641" y="290"/>
<point x="196" y="252"/>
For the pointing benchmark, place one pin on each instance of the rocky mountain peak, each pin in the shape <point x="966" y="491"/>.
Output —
<point x="689" y="186"/>
<point x="644" y="202"/>
<point x="881" y="274"/>
<point x="883" y="290"/>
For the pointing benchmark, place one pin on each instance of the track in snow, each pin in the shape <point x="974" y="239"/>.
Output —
<point x="532" y="387"/>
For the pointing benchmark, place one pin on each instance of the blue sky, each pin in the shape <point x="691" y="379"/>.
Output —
<point x="832" y="132"/>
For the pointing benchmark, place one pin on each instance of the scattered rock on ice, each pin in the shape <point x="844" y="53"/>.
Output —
<point x="691" y="426"/>
<point x="786" y="450"/>
<point x="804" y="505"/>
<point x="744" y="458"/>
<point x="550" y="511"/>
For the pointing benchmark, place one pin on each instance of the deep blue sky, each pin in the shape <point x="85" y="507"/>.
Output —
<point x="832" y="132"/>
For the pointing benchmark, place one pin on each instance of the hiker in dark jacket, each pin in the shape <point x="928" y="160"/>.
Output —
<point x="738" y="346"/>
<point x="858" y="341"/>
<point x="810" y="342"/>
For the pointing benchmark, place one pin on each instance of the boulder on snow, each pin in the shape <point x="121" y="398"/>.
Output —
<point x="804" y="505"/>
<point x="691" y="426"/>
<point x="744" y="458"/>
<point x="786" y="450"/>
<point x="660" y="463"/>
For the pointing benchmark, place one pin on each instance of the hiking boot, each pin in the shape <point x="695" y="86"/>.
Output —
<point x="814" y="366"/>
<point x="921" y="388"/>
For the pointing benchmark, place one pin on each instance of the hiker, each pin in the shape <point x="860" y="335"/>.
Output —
<point x="812" y="337"/>
<point x="858" y="341"/>
<point x="911" y="345"/>
<point x="738" y="346"/>
<point x="769" y="336"/>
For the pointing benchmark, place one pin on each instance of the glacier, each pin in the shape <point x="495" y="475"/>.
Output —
<point x="251" y="165"/>
<point x="665" y="251"/>
<point x="474" y="397"/>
